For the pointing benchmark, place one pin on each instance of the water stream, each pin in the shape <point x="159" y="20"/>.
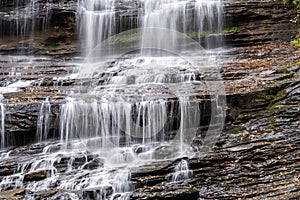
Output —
<point x="2" y="132"/>
<point x="181" y="172"/>
<point x="44" y="121"/>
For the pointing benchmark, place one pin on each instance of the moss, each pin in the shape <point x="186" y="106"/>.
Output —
<point x="286" y="72"/>
<point x="230" y="30"/>
<point x="279" y="95"/>
<point x="267" y="96"/>
<point x="287" y="76"/>
<point x="264" y="96"/>
<point x="296" y="42"/>
<point x="125" y="38"/>
<point x="194" y="34"/>
<point x="297" y="62"/>
<point x="283" y="71"/>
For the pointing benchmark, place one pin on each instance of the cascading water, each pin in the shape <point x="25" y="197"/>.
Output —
<point x="176" y="15"/>
<point x="181" y="172"/>
<point x="21" y="20"/>
<point x="209" y="21"/>
<point x="44" y="121"/>
<point x="140" y="108"/>
<point x="2" y="131"/>
<point x="112" y="121"/>
<point x="97" y="21"/>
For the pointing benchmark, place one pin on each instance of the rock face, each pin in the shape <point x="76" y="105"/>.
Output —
<point x="257" y="155"/>
<point x="260" y="22"/>
<point x="13" y="194"/>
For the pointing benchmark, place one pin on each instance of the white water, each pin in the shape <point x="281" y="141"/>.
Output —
<point x="182" y="172"/>
<point x="97" y="21"/>
<point x="175" y="15"/>
<point x="43" y="121"/>
<point x="144" y="112"/>
<point x="2" y="130"/>
<point x="111" y="121"/>
<point x="141" y="102"/>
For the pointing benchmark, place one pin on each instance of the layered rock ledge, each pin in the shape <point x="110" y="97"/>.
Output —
<point x="257" y="155"/>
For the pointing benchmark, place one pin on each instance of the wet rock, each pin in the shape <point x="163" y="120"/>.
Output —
<point x="45" y="194"/>
<point x="54" y="26"/>
<point x="93" y="164"/>
<point x="21" y="122"/>
<point x="27" y="150"/>
<point x="161" y="192"/>
<point x="13" y="194"/>
<point x="98" y="193"/>
<point x="35" y="176"/>
<point x="8" y="169"/>
<point x="86" y="162"/>
<point x="260" y="22"/>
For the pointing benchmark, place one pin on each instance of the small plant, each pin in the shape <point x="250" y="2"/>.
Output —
<point x="296" y="42"/>
<point x="56" y="28"/>
<point x="296" y="3"/>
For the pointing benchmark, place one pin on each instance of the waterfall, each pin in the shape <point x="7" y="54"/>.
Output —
<point x="145" y="105"/>
<point x="190" y="121"/>
<point x="175" y="15"/>
<point x="181" y="172"/>
<point x="210" y="21"/>
<point x="2" y="131"/>
<point x="97" y="21"/>
<point x="113" y="123"/>
<point x="43" y="121"/>
<point x="199" y="18"/>
<point x="25" y="19"/>
<point x="140" y="101"/>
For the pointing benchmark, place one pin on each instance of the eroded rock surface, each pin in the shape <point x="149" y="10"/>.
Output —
<point x="257" y="155"/>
